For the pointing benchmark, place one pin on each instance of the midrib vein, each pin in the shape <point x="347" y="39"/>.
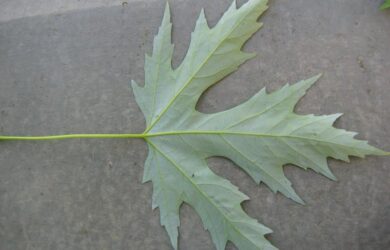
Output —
<point x="239" y="133"/>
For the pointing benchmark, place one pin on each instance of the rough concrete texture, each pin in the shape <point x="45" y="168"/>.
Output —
<point x="69" y="73"/>
<point x="14" y="9"/>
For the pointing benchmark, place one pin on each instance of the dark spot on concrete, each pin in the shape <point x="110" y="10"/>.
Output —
<point x="83" y="231"/>
<point x="359" y="59"/>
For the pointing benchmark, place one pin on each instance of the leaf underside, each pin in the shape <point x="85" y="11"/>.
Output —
<point x="260" y="135"/>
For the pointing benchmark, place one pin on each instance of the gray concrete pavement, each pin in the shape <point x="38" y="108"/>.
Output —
<point x="68" y="72"/>
<point x="15" y="9"/>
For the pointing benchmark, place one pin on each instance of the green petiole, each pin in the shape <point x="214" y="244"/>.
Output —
<point x="71" y="136"/>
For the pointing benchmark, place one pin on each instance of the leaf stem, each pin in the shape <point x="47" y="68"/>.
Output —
<point x="70" y="136"/>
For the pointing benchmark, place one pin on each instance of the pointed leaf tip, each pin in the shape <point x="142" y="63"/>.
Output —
<point x="297" y="199"/>
<point x="233" y="5"/>
<point x="202" y="16"/>
<point x="306" y="84"/>
<point x="202" y="21"/>
<point x="134" y="84"/>
<point x="167" y="12"/>
<point x="315" y="78"/>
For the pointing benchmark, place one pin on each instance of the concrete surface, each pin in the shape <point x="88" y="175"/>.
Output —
<point x="68" y="72"/>
<point x="14" y="9"/>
